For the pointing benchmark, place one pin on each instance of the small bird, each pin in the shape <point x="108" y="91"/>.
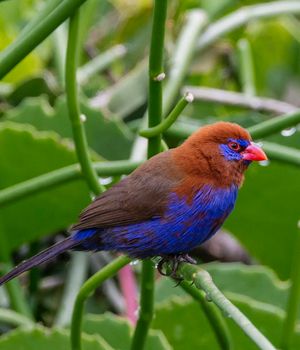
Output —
<point x="169" y="205"/>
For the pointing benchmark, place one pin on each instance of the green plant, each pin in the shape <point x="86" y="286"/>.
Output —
<point x="59" y="176"/>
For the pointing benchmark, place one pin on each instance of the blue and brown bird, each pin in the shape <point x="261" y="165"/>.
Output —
<point x="169" y="205"/>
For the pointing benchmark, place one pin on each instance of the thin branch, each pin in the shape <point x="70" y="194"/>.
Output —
<point x="15" y="319"/>
<point x="155" y="107"/>
<point x="74" y="110"/>
<point x="182" y="56"/>
<point x="85" y="291"/>
<point x="281" y="153"/>
<point x="274" y="125"/>
<point x="170" y="119"/>
<point x="215" y="318"/>
<point x="240" y="100"/>
<point x="60" y="176"/>
<point x="77" y="273"/>
<point x="294" y="299"/>
<point x="100" y="62"/>
<point x="13" y="54"/>
<point x="246" y="67"/>
<point x="203" y="280"/>
<point x="181" y="59"/>
<point x="242" y="16"/>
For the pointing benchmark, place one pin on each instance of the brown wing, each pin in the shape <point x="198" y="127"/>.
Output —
<point x="140" y="196"/>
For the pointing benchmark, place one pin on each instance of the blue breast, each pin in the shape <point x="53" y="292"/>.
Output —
<point x="185" y="225"/>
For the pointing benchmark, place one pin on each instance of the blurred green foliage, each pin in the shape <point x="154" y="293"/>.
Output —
<point x="35" y="138"/>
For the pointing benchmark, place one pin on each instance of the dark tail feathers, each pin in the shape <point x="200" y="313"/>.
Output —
<point x="39" y="258"/>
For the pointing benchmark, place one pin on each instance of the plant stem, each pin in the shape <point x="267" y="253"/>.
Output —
<point x="42" y="12"/>
<point x="13" y="54"/>
<point x="282" y="153"/>
<point x="73" y="106"/>
<point x="242" y="16"/>
<point x="99" y="63"/>
<point x="258" y="131"/>
<point x="170" y="119"/>
<point x="15" y="319"/>
<point x="203" y="280"/>
<point x="156" y="76"/>
<point x="289" y="325"/>
<point x="156" y="73"/>
<point x="15" y="293"/>
<point x="213" y="315"/>
<point x="274" y="125"/>
<point x="61" y="176"/>
<point x="77" y="273"/>
<point x="246" y="67"/>
<point x="182" y="56"/>
<point x="85" y="291"/>
<point x="238" y="99"/>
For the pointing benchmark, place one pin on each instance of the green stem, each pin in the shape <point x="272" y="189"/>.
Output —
<point x="182" y="56"/>
<point x="85" y="291"/>
<point x="42" y="13"/>
<point x="282" y="153"/>
<point x="100" y="63"/>
<point x="294" y="299"/>
<point x="213" y="315"/>
<point x="258" y="131"/>
<point x="156" y="73"/>
<point x="246" y="67"/>
<point x="16" y="297"/>
<point x="77" y="273"/>
<point x="73" y="106"/>
<point x="15" y="319"/>
<point x="274" y="125"/>
<point x="241" y="17"/>
<point x="12" y="55"/>
<point x="61" y="176"/>
<point x="156" y="76"/>
<point x="170" y="119"/>
<point x="203" y="280"/>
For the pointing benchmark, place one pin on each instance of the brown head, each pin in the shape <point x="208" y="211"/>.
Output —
<point x="218" y="154"/>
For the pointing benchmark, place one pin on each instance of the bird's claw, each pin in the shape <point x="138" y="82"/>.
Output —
<point x="168" y="265"/>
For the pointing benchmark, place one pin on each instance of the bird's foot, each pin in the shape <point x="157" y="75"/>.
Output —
<point x="168" y="265"/>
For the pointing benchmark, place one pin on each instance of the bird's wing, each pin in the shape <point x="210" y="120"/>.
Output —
<point x="140" y="196"/>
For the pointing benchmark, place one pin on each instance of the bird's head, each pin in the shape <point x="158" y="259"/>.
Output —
<point x="220" y="152"/>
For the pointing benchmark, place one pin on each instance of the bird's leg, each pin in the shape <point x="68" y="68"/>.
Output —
<point x="175" y="261"/>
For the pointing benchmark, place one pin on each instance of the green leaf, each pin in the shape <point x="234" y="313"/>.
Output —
<point x="46" y="339"/>
<point x="100" y="131"/>
<point x="257" y="282"/>
<point x="26" y="153"/>
<point x="185" y="326"/>
<point x="117" y="332"/>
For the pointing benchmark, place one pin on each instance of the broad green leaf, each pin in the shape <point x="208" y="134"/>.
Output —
<point x="110" y="138"/>
<point x="46" y="339"/>
<point x="186" y="327"/>
<point x="117" y="332"/>
<point x="26" y="153"/>
<point x="257" y="282"/>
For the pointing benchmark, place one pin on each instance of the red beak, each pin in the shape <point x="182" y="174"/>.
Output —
<point x="253" y="152"/>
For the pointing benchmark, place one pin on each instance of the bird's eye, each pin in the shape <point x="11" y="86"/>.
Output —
<point x="234" y="146"/>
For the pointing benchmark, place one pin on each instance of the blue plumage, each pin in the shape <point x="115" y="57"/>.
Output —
<point x="184" y="225"/>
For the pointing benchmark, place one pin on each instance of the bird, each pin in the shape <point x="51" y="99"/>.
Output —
<point x="170" y="204"/>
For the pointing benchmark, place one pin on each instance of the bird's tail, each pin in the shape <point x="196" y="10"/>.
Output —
<point x="40" y="258"/>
